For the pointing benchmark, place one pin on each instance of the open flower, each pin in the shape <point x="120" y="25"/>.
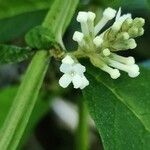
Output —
<point x="73" y="72"/>
<point x="100" y="47"/>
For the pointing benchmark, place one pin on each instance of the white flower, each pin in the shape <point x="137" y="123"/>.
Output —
<point x="73" y="72"/>
<point x="90" y="42"/>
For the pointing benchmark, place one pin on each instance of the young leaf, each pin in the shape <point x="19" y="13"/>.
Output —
<point x="40" y="38"/>
<point x="120" y="109"/>
<point x="13" y="54"/>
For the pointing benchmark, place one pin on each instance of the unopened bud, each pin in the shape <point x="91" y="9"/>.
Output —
<point x="138" y="22"/>
<point x="140" y="32"/>
<point x="127" y="24"/>
<point x="133" y="32"/>
<point x="132" y="44"/>
<point x="123" y="36"/>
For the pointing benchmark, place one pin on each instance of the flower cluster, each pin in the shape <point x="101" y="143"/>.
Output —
<point x="100" y="47"/>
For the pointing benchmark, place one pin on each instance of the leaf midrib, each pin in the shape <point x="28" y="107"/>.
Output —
<point x="121" y="99"/>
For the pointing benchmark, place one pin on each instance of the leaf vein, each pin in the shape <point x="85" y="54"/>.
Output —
<point x="121" y="99"/>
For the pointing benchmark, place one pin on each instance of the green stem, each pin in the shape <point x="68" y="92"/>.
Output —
<point x="24" y="102"/>
<point x="61" y="13"/>
<point x="82" y="130"/>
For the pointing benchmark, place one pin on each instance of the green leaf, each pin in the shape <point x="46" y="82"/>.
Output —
<point x="15" y="7"/>
<point x="40" y="38"/>
<point x="13" y="54"/>
<point x="120" y="109"/>
<point x="16" y="26"/>
<point x="20" y="16"/>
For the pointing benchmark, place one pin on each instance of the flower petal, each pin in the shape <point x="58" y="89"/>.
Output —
<point x="79" y="69"/>
<point x="65" y="68"/>
<point x="65" y="80"/>
<point x="77" y="81"/>
<point x="85" y="82"/>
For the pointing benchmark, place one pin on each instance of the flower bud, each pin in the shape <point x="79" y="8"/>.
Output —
<point x="123" y="36"/>
<point x="132" y="44"/>
<point x="127" y="24"/>
<point x="138" y="22"/>
<point x="140" y="32"/>
<point x="133" y="32"/>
